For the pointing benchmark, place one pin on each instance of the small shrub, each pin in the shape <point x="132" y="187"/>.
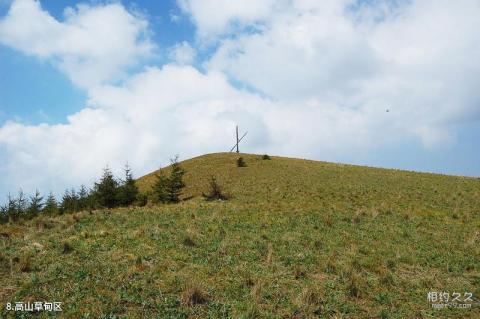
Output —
<point x="266" y="157"/>
<point x="241" y="162"/>
<point x="215" y="191"/>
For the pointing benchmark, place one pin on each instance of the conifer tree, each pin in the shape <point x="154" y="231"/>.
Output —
<point x="35" y="206"/>
<point x="176" y="183"/>
<point x="74" y="201"/>
<point x="12" y="209"/>
<point x="21" y="204"/>
<point x="160" y="188"/>
<point x="3" y="214"/>
<point x="51" y="206"/>
<point x="106" y="190"/>
<point x="168" y="189"/>
<point x="82" y="198"/>
<point x="66" y="204"/>
<point x="128" y="191"/>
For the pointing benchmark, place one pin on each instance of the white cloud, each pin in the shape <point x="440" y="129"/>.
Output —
<point x="216" y="17"/>
<point x="326" y="74"/>
<point x="92" y="45"/>
<point x="182" y="53"/>
<point x="418" y="60"/>
<point x="162" y="112"/>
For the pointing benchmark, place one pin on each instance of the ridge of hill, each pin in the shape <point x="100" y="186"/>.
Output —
<point x="310" y="182"/>
<point x="297" y="239"/>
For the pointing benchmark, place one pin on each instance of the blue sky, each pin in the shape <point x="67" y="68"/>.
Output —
<point x="51" y="96"/>
<point x="306" y="79"/>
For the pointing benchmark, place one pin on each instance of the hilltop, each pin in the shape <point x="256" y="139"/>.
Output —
<point x="297" y="239"/>
<point x="286" y="181"/>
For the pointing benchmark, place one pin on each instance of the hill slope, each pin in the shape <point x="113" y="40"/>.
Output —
<point x="305" y="183"/>
<point x="297" y="239"/>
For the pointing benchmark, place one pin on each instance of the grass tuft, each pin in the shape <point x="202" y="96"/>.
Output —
<point x="300" y="272"/>
<point x="188" y="242"/>
<point x="66" y="248"/>
<point x="25" y="263"/>
<point x="194" y="294"/>
<point x="309" y="302"/>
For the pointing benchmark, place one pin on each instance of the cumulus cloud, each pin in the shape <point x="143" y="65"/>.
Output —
<point x="92" y="45"/>
<point x="313" y="79"/>
<point x="416" y="59"/>
<point x="165" y="111"/>
<point x="217" y="17"/>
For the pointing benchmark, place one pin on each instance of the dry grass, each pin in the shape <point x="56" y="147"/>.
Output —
<point x="298" y="239"/>
<point x="194" y="294"/>
<point x="25" y="263"/>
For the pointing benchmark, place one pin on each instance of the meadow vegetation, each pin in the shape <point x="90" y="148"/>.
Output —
<point x="295" y="239"/>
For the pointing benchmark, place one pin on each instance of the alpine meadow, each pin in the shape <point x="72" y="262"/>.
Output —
<point x="240" y="159"/>
<point x="294" y="238"/>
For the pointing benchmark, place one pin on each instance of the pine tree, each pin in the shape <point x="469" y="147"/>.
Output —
<point x="128" y="191"/>
<point x="66" y="204"/>
<point x="35" y="206"/>
<point x="82" y="198"/>
<point x="74" y="201"/>
<point x="168" y="189"/>
<point x="106" y="191"/>
<point x="160" y="188"/>
<point x="176" y="183"/>
<point x="12" y="209"/>
<point x="22" y="204"/>
<point x="51" y="206"/>
<point x="3" y="214"/>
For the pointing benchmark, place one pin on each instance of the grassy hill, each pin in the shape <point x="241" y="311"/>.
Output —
<point x="297" y="239"/>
